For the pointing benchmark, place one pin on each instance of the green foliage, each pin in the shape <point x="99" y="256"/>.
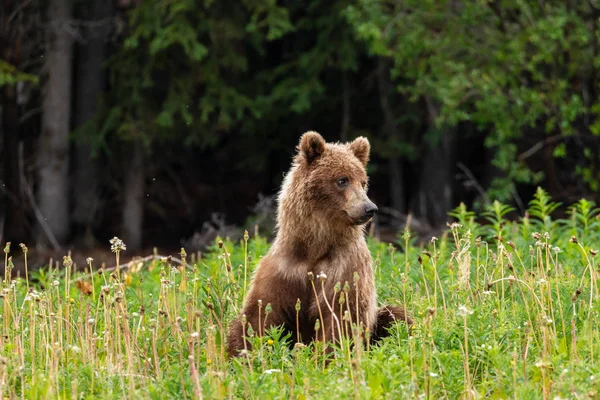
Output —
<point x="10" y="75"/>
<point x="464" y="217"/>
<point x="185" y="66"/>
<point x="541" y="207"/>
<point x="495" y="214"/>
<point x="584" y="218"/>
<point x="513" y="316"/>
<point x="512" y="68"/>
<point x="200" y="72"/>
<point x="215" y="57"/>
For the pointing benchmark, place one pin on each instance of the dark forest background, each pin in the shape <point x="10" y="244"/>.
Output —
<point x="165" y="122"/>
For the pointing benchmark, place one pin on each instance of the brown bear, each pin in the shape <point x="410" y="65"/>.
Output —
<point x="322" y="210"/>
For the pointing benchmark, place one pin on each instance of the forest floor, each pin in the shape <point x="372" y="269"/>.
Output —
<point x="102" y="255"/>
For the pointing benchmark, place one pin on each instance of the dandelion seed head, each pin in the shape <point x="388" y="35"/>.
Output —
<point x="117" y="245"/>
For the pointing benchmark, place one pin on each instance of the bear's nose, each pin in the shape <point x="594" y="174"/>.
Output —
<point x="371" y="209"/>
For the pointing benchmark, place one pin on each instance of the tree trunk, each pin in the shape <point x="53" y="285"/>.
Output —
<point x="435" y="195"/>
<point x="3" y="176"/>
<point x="53" y="153"/>
<point x="90" y="79"/>
<point x="396" y="183"/>
<point x="390" y="131"/>
<point x="13" y="220"/>
<point x="345" y="107"/>
<point x="133" y="204"/>
<point x="16" y="217"/>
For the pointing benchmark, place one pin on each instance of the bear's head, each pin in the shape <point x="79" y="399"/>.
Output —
<point x="333" y="179"/>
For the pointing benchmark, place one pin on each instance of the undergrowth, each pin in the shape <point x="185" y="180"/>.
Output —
<point x="505" y="309"/>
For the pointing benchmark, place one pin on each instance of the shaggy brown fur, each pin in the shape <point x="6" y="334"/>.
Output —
<point x="323" y="206"/>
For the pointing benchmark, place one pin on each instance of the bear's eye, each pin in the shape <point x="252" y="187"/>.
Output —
<point x="343" y="182"/>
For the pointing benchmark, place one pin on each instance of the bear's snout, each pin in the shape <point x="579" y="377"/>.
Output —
<point x="370" y="209"/>
<point x="363" y="212"/>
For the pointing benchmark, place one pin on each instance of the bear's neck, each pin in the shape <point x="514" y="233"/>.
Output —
<point x="310" y="236"/>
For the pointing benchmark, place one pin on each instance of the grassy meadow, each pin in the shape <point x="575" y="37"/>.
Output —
<point x="507" y="309"/>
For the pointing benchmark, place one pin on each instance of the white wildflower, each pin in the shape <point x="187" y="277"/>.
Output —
<point x="463" y="311"/>
<point x="271" y="371"/>
<point x="75" y="349"/>
<point x="117" y="245"/>
<point x="455" y="225"/>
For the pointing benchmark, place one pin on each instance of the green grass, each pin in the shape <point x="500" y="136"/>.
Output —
<point x="502" y="310"/>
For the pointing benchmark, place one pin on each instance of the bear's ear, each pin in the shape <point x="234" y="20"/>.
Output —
<point x="361" y="148"/>
<point x="311" y="145"/>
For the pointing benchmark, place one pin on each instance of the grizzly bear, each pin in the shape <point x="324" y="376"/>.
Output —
<point x="319" y="253"/>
